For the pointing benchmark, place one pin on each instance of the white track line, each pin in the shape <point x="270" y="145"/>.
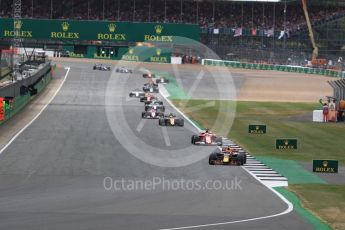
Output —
<point x="141" y="125"/>
<point x="289" y="204"/>
<point x="166" y="136"/>
<point x="35" y="118"/>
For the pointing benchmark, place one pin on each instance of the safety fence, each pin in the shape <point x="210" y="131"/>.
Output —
<point x="12" y="105"/>
<point x="285" y="68"/>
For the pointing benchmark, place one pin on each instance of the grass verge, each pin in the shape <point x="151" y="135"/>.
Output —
<point x="283" y="120"/>
<point x="286" y="120"/>
<point x="325" y="201"/>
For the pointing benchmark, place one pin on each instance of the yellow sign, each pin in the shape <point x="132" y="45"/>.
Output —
<point x="17" y="25"/>
<point x="158" y="38"/>
<point x="64" y="34"/>
<point x="111" y="35"/>
<point x="159" y="29"/>
<point x="65" y="26"/>
<point x="112" y="27"/>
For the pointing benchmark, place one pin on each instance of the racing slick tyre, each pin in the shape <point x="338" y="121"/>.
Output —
<point x="142" y="99"/>
<point x="219" y="140"/>
<point x="161" y="122"/>
<point x="240" y="159"/>
<point x="180" y="122"/>
<point x="143" y="114"/>
<point x="212" y="158"/>
<point x="194" y="139"/>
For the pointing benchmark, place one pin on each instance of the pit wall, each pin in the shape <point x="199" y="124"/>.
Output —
<point x="285" y="68"/>
<point x="17" y="103"/>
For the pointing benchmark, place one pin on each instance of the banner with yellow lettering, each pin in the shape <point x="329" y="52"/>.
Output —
<point x="42" y="29"/>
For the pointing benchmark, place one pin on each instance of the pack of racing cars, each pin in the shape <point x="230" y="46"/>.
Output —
<point x="224" y="154"/>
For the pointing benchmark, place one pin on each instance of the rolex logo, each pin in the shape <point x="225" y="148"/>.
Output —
<point x="112" y="27"/>
<point x="158" y="52"/>
<point x="65" y="26"/>
<point x="325" y="164"/>
<point x="130" y="51"/>
<point x="286" y="142"/>
<point x="18" y="24"/>
<point x="159" y="29"/>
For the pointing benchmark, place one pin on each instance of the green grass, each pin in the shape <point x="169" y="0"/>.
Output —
<point x="283" y="120"/>
<point x="325" y="201"/>
<point x="286" y="120"/>
<point x="174" y="89"/>
<point x="308" y="215"/>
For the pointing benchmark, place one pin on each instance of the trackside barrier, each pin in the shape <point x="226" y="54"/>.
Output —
<point x="19" y="102"/>
<point x="285" y="68"/>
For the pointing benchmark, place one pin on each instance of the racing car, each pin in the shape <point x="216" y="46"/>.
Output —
<point x="150" y="87"/>
<point x="206" y="138"/>
<point x="123" y="70"/>
<point x="152" y="114"/>
<point x="137" y="93"/>
<point x="162" y="80"/>
<point x="148" y="75"/>
<point x="227" y="156"/>
<point x="147" y="97"/>
<point x="157" y="105"/>
<point x="154" y="100"/>
<point x="101" y="67"/>
<point x="171" y="120"/>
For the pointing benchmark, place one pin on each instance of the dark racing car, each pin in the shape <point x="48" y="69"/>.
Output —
<point x="148" y="75"/>
<point x="148" y="97"/>
<point x="151" y="87"/>
<point x="123" y="70"/>
<point x="137" y="93"/>
<point x="171" y="120"/>
<point x="152" y="114"/>
<point x="157" y="105"/>
<point x="101" y="67"/>
<point x="206" y="138"/>
<point x="227" y="156"/>
<point x="162" y="80"/>
<point x="154" y="101"/>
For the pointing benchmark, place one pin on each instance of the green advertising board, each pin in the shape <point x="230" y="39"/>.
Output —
<point x="325" y="166"/>
<point x="286" y="144"/>
<point x="257" y="129"/>
<point x="146" y="54"/>
<point x="44" y="29"/>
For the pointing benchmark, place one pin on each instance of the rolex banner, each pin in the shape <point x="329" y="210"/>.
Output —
<point x="286" y="144"/>
<point x="98" y="30"/>
<point x="257" y="129"/>
<point x="325" y="166"/>
<point x="146" y="54"/>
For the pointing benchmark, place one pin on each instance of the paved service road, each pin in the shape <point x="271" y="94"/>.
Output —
<point x="51" y="176"/>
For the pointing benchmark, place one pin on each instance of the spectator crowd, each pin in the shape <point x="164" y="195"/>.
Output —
<point x="208" y="14"/>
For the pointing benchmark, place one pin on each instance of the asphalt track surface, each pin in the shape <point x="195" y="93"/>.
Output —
<point x="51" y="176"/>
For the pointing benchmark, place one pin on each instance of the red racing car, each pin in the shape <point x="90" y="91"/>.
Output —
<point x="206" y="138"/>
<point x="148" y="75"/>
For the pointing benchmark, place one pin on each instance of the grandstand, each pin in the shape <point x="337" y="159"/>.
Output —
<point x="270" y="32"/>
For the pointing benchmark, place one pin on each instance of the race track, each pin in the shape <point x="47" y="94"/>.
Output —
<point x="52" y="175"/>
